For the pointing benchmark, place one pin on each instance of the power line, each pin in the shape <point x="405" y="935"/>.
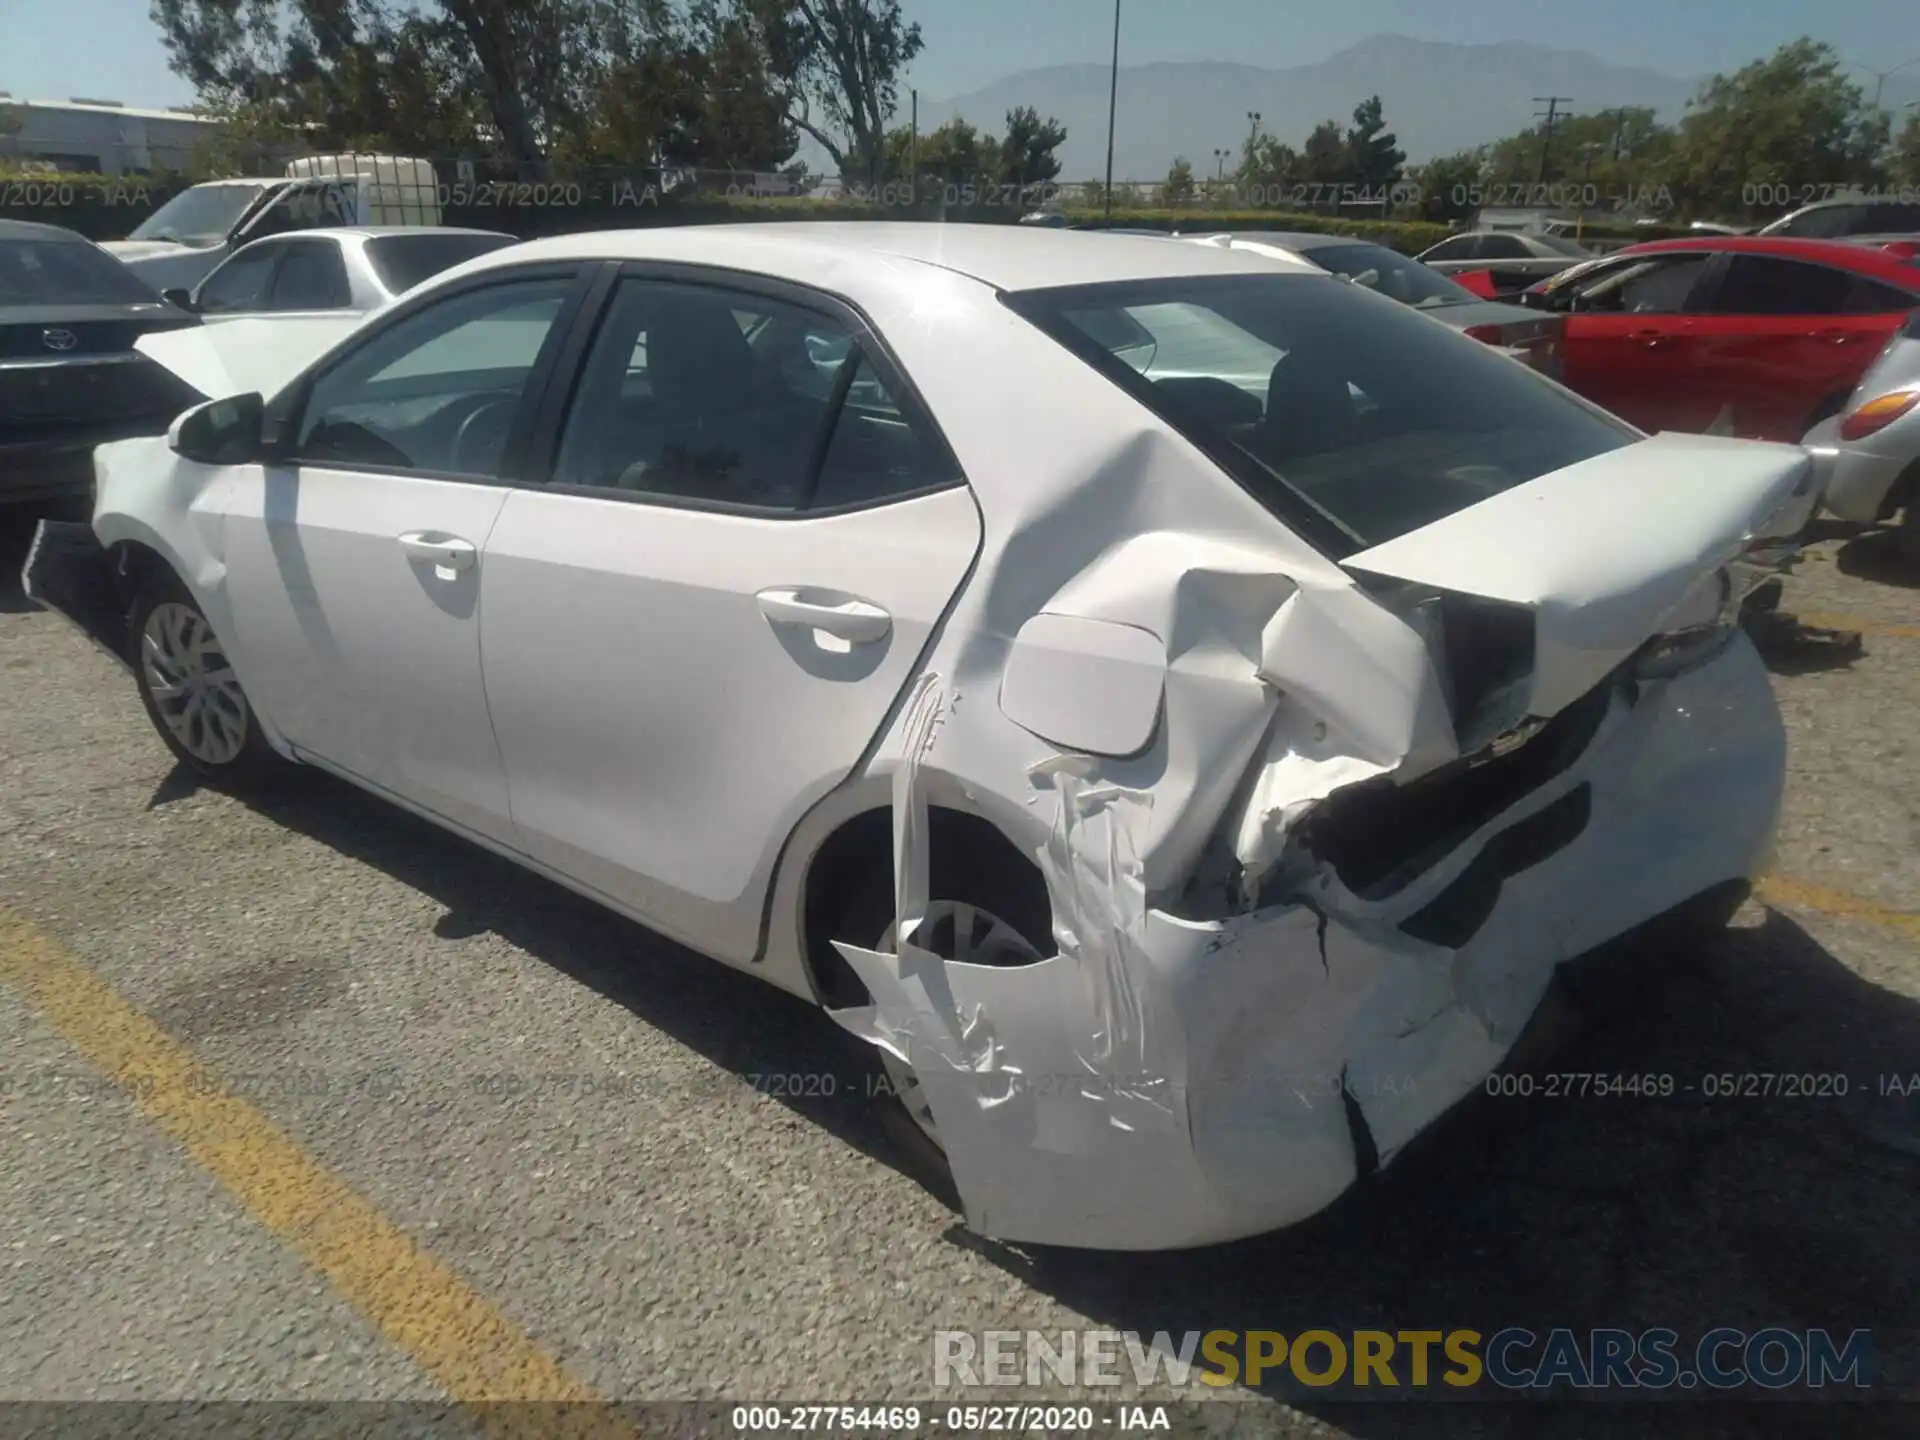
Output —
<point x="1551" y="114"/>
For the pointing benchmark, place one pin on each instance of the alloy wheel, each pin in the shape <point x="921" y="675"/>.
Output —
<point x="194" y="689"/>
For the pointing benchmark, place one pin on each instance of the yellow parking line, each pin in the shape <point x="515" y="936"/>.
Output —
<point x="1791" y="894"/>
<point x="1865" y="627"/>
<point x="469" y="1348"/>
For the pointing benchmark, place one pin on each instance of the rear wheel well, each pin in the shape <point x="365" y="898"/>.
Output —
<point x="849" y="889"/>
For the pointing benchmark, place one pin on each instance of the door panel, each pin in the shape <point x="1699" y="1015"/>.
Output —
<point x="1781" y="337"/>
<point x="1630" y="343"/>
<point x="362" y="651"/>
<point x="353" y="560"/>
<point x="663" y="726"/>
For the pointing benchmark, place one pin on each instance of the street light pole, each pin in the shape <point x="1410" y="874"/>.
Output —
<point x="1113" y="97"/>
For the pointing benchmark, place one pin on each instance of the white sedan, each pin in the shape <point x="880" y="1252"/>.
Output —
<point x="1180" y="709"/>
<point x="342" y="270"/>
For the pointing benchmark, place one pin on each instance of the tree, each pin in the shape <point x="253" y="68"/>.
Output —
<point x="1326" y="159"/>
<point x="1027" y="153"/>
<point x="1449" y="186"/>
<point x="1269" y="169"/>
<point x="1790" y="124"/>
<point x="836" y="67"/>
<point x="509" y="75"/>
<point x="1905" y="161"/>
<point x="1178" y="187"/>
<point x="1374" y="152"/>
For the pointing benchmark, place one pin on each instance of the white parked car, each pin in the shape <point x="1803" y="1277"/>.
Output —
<point x="1870" y="452"/>
<point x="346" y="270"/>
<point x="1179" y="708"/>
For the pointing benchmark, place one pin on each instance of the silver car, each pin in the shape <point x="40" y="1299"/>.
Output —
<point x="342" y="271"/>
<point x="1870" y="452"/>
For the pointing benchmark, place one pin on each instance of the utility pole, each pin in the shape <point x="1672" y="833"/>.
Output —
<point x="913" y="152"/>
<point x="1113" y="98"/>
<point x="1553" y="104"/>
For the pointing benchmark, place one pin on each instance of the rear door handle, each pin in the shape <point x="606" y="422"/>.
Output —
<point x="853" y="620"/>
<point x="1654" y="339"/>
<point x="443" y="552"/>
<point x="1841" y="337"/>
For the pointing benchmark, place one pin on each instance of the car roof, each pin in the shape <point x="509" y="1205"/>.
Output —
<point x="34" y="230"/>
<point x="1007" y="257"/>
<point x="1295" y="239"/>
<point x="1843" y="253"/>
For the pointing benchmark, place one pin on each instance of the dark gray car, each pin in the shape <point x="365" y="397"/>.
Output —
<point x="1512" y="328"/>
<point x="1511" y="259"/>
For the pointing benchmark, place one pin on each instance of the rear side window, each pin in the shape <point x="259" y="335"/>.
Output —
<point x="1503" y="247"/>
<point x="715" y="397"/>
<point x="1348" y="415"/>
<point x="312" y="277"/>
<point x="66" y="272"/>
<point x="1761" y="285"/>
<point x="404" y="261"/>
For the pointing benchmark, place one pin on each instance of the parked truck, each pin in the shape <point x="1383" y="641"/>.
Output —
<point x="177" y="245"/>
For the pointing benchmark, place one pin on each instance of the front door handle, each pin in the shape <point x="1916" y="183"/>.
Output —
<point x="1654" y="339"/>
<point x="443" y="552"/>
<point x="1841" y="337"/>
<point x="855" y="621"/>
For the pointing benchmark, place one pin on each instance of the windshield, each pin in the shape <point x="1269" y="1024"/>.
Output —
<point x="202" y="215"/>
<point x="66" y="272"/>
<point x="1391" y="273"/>
<point x="1351" y="419"/>
<point x="403" y="261"/>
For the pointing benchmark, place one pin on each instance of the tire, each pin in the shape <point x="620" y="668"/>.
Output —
<point x="1012" y="923"/>
<point x="1907" y="538"/>
<point x="191" y="695"/>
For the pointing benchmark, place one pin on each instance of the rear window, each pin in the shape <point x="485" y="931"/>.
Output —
<point x="1351" y="418"/>
<point x="66" y="272"/>
<point x="1560" y="244"/>
<point x="404" y="261"/>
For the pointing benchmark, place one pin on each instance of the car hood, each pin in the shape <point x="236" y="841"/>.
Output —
<point x="1482" y="312"/>
<point x="125" y="250"/>
<point x="1607" y="553"/>
<point x="253" y="355"/>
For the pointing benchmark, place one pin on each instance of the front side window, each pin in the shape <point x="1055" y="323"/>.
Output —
<point x="436" y="391"/>
<point x="713" y="396"/>
<point x="1460" y="247"/>
<point x="1346" y="414"/>
<point x="1823" y="222"/>
<point x="1650" y="285"/>
<point x="240" y="284"/>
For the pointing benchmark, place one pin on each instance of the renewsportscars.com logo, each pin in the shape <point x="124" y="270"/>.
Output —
<point x="1398" y="1360"/>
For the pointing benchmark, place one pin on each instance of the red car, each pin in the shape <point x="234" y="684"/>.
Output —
<point x="1747" y="335"/>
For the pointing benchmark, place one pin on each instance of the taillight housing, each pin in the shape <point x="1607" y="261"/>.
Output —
<point x="1878" y="413"/>
<point x="1488" y="334"/>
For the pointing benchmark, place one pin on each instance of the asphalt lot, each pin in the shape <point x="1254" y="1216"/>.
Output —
<point x="546" y="1148"/>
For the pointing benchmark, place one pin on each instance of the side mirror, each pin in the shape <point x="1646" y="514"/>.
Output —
<point x="220" y="432"/>
<point x="183" y="299"/>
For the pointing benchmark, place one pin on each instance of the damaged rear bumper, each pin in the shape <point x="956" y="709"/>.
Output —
<point x="1243" y="1073"/>
<point x="69" y="572"/>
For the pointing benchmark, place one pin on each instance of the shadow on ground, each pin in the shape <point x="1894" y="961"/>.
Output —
<point x="1690" y="1212"/>
<point x="1875" y="556"/>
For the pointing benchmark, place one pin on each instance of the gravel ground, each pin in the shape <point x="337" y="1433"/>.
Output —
<point x="664" y="1228"/>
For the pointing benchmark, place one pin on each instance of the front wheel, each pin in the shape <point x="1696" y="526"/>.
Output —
<point x="190" y="690"/>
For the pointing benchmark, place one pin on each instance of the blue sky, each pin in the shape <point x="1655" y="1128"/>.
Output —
<point x="54" y="49"/>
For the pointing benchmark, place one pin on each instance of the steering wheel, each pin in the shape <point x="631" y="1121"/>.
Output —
<point x="485" y="431"/>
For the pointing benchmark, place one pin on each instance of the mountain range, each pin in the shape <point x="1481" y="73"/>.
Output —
<point x="1438" y="98"/>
